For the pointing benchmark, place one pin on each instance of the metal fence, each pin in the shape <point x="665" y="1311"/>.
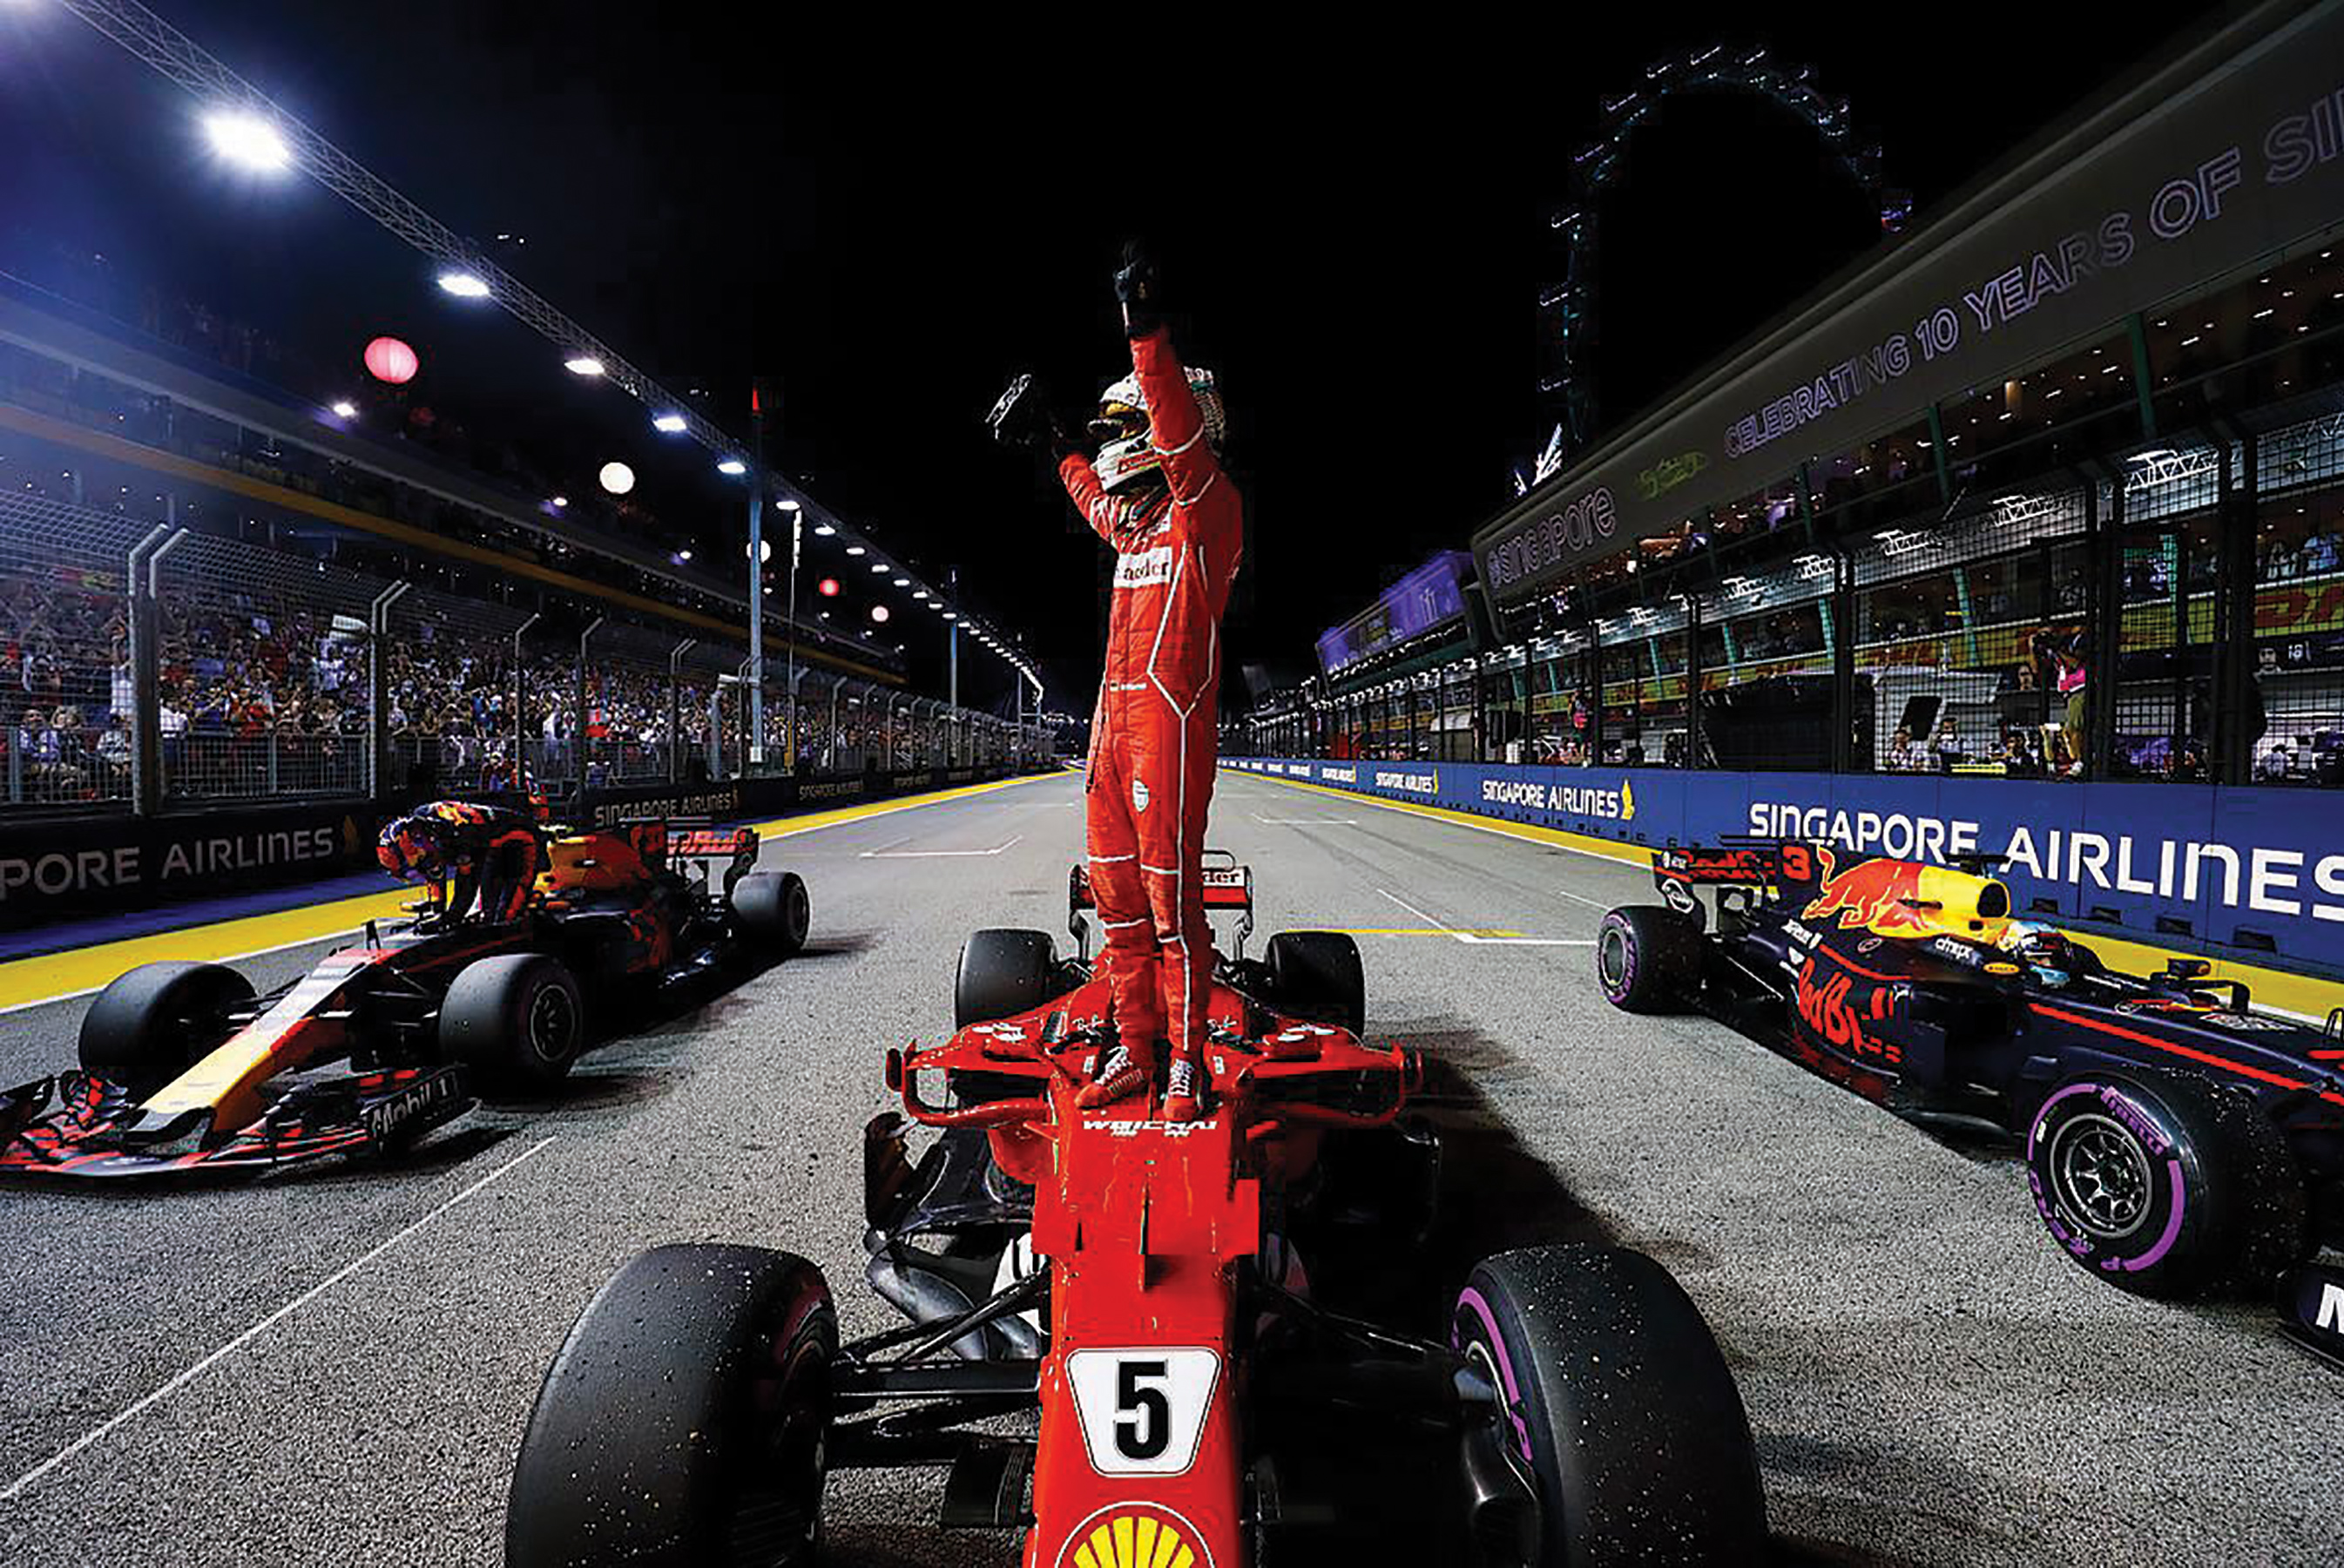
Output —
<point x="148" y="666"/>
<point x="64" y="654"/>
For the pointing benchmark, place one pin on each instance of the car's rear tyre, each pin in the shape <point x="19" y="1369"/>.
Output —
<point x="154" y="1022"/>
<point x="1317" y="975"/>
<point x="685" y="1421"/>
<point x="1618" y="1404"/>
<point x="774" y="911"/>
<point x="1648" y="959"/>
<point x="2165" y="1186"/>
<point x="517" y="1020"/>
<point x="1003" y="973"/>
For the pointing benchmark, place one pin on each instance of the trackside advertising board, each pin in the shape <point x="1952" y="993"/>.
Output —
<point x="2258" y="872"/>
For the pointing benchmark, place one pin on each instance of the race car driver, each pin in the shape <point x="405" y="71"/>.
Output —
<point x="1156" y="494"/>
<point x="493" y="853"/>
<point x="2048" y="954"/>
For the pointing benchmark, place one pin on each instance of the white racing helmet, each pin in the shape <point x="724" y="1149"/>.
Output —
<point x="1126" y="456"/>
<point x="2043" y="947"/>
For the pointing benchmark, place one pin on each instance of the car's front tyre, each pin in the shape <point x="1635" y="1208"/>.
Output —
<point x="1614" y="1403"/>
<point x="154" y="1022"/>
<point x="1317" y="975"/>
<point x="685" y="1421"/>
<point x="517" y="1020"/>
<point x="2165" y="1186"/>
<point x="1003" y="973"/>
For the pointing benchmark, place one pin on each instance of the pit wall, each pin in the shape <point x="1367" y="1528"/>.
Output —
<point x="2250" y="876"/>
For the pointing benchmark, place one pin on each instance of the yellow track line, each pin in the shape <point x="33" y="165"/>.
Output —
<point x="2304" y="995"/>
<point x="55" y="976"/>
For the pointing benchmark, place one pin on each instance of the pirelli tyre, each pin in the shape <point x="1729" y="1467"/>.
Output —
<point x="773" y="911"/>
<point x="1617" y="1435"/>
<point x="517" y="1021"/>
<point x="1317" y="975"/>
<point x="685" y="1421"/>
<point x="154" y="1022"/>
<point x="1648" y="959"/>
<point x="1003" y="973"/>
<point x="2165" y="1186"/>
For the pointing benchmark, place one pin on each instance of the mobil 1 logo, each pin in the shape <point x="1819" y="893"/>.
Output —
<point x="1143" y="1410"/>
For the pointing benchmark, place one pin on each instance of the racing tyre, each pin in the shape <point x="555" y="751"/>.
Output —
<point x="685" y="1421"/>
<point x="158" y="1020"/>
<point x="1001" y="973"/>
<point x="2164" y="1185"/>
<point x="1317" y="975"/>
<point x="773" y="910"/>
<point x="1647" y="958"/>
<point x="1618" y="1409"/>
<point x="516" y="1020"/>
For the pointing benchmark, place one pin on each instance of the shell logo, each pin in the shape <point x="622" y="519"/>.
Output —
<point x="1135" y="1535"/>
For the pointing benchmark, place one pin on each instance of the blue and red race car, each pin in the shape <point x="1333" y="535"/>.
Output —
<point x="2177" y="1140"/>
<point x="184" y="1069"/>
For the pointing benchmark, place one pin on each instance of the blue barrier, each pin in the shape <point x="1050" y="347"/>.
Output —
<point x="2256" y="874"/>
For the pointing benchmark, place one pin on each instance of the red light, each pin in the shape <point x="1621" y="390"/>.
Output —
<point x="827" y="588"/>
<point x="388" y="359"/>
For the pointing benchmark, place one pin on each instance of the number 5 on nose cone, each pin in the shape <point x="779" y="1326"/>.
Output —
<point x="1143" y="1410"/>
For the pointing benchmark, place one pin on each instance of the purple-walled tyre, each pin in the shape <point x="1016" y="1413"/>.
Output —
<point x="1616" y="1404"/>
<point x="1648" y="959"/>
<point x="2165" y="1186"/>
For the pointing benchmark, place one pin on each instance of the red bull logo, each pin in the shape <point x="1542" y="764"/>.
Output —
<point x="1878" y="895"/>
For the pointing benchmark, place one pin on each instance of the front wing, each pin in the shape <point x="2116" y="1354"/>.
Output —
<point x="74" y="1125"/>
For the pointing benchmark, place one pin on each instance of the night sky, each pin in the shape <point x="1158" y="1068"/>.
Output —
<point x="890" y="219"/>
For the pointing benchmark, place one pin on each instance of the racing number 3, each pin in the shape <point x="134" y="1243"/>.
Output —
<point x="1141" y="1409"/>
<point x="1143" y="1417"/>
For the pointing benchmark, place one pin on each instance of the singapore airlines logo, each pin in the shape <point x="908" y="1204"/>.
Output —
<point x="1135" y="1535"/>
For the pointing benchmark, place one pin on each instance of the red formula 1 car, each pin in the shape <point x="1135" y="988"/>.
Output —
<point x="184" y="1069"/>
<point x="1135" y="1290"/>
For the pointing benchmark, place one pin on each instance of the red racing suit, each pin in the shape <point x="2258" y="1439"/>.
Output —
<point x="1155" y="733"/>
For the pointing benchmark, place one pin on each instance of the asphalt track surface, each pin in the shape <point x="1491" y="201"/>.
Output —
<point x="337" y="1369"/>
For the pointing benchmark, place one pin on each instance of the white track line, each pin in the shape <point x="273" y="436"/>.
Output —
<point x="1307" y="821"/>
<point x="936" y="854"/>
<point x="312" y="1294"/>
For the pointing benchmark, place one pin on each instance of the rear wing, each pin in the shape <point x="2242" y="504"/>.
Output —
<point x="1744" y="873"/>
<point x="1727" y="865"/>
<point x="672" y="842"/>
<point x="1228" y="890"/>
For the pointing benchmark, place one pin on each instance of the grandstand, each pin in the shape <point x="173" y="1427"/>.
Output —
<point x="568" y="643"/>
